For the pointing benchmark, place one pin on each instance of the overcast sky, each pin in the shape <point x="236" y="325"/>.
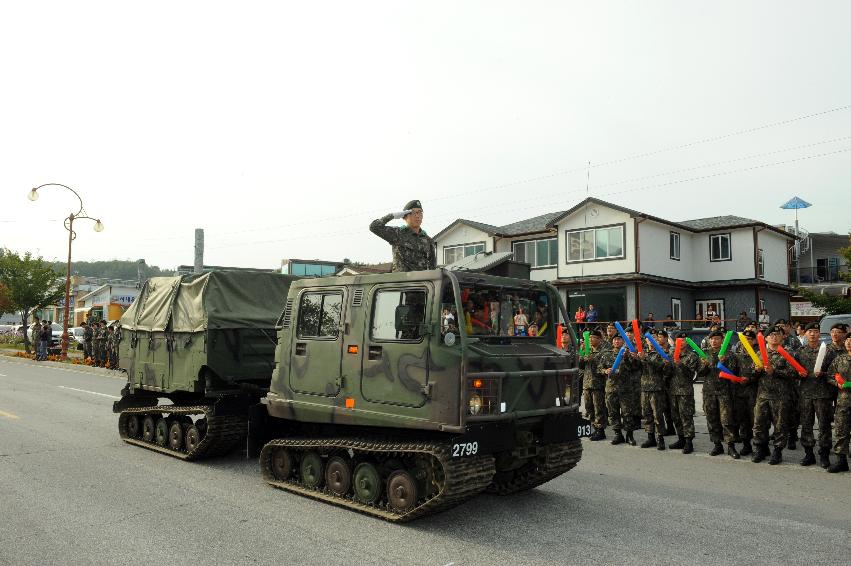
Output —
<point x="284" y="128"/>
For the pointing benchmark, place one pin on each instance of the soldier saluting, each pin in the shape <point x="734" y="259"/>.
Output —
<point x="413" y="249"/>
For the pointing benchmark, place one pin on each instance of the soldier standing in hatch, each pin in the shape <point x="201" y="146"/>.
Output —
<point x="816" y="399"/>
<point x="593" y="387"/>
<point x="413" y="249"/>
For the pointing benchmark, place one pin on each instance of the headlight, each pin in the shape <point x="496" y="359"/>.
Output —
<point x="475" y="404"/>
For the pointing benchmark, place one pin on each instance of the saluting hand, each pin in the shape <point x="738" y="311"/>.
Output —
<point x="398" y="215"/>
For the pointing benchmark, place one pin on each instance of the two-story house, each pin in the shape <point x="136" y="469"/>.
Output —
<point x="629" y="263"/>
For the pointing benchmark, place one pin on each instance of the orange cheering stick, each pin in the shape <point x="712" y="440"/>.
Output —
<point x="792" y="361"/>
<point x="839" y="380"/>
<point x="636" y="333"/>
<point x="678" y="349"/>
<point x="763" y="351"/>
<point x="731" y="377"/>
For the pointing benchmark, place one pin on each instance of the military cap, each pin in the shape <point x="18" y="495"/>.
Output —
<point x="716" y="333"/>
<point x="749" y="333"/>
<point x="412" y="205"/>
<point x="840" y="325"/>
<point x="811" y="326"/>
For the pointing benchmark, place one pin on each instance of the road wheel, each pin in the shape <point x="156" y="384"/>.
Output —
<point x="367" y="483"/>
<point x="282" y="464"/>
<point x="193" y="438"/>
<point x="311" y="470"/>
<point x="338" y="475"/>
<point x="149" y="428"/>
<point x="133" y="426"/>
<point x="401" y="491"/>
<point x="161" y="436"/>
<point x="175" y="435"/>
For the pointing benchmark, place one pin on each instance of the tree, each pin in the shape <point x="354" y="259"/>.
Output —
<point x="5" y="300"/>
<point x="32" y="284"/>
<point x="831" y="303"/>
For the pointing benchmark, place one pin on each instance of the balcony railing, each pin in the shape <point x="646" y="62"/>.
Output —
<point x="816" y="275"/>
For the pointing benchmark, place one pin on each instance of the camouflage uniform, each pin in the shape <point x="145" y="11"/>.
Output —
<point x="109" y="343"/>
<point x="593" y="387"/>
<point x="718" y="397"/>
<point x="774" y="401"/>
<point x="88" y="336"/>
<point x="744" y="400"/>
<point x="791" y="344"/>
<point x="654" y="396"/>
<point x="816" y="399"/>
<point x="98" y="344"/>
<point x="681" y="391"/>
<point x="622" y="412"/>
<point x="412" y="251"/>
<point x="116" y="341"/>
<point x="842" y="365"/>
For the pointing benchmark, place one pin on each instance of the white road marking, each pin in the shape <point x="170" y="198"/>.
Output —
<point x="2" y="375"/>
<point x="9" y="415"/>
<point x="89" y="392"/>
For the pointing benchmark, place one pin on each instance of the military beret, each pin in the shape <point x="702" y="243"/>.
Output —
<point x="776" y="328"/>
<point x="840" y="325"/>
<point x="811" y="326"/>
<point x="412" y="205"/>
<point x="749" y="333"/>
<point x="596" y="333"/>
<point x="716" y="333"/>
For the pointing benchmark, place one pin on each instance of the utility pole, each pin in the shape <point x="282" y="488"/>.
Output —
<point x="199" y="250"/>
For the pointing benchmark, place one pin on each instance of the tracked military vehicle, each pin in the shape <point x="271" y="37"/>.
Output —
<point x="198" y="350"/>
<point x="403" y="394"/>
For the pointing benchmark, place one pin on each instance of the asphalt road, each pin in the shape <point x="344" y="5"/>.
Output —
<point x="71" y="492"/>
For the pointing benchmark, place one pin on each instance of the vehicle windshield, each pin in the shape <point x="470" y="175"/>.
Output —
<point x="497" y="311"/>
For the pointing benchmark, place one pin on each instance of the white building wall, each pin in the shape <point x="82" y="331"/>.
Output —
<point x="460" y="235"/>
<point x="655" y="254"/>
<point x="741" y="266"/>
<point x="774" y="248"/>
<point x="582" y="220"/>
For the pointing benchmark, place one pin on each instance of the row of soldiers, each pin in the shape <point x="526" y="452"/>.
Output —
<point x="743" y="410"/>
<point x="100" y="343"/>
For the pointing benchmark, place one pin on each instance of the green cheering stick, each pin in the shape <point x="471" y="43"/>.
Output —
<point x="587" y="337"/>
<point x="725" y="344"/>
<point x="696" y="348"/>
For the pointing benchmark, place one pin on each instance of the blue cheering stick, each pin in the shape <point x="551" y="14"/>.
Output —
<point x="618" y="359"/>
<point x="724" y="368"/>
<point x="626" y="339"/>
<point x="657" y="347"/>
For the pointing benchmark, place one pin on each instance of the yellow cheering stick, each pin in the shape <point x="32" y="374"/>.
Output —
<point x="749" y="349"/>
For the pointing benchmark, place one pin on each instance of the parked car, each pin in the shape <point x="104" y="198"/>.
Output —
<point x="829" y="320"/>
<point x="76" y="336"/>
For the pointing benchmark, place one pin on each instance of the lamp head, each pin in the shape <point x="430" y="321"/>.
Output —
<point x="33" y="195"/>
<point x="98" y="226"/>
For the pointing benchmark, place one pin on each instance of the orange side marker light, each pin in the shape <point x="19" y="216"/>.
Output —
<point x="350" y="403"/>
<point x="353" y="349"/>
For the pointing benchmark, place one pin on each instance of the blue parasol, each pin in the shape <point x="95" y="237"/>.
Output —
<point x="795" y="203"/>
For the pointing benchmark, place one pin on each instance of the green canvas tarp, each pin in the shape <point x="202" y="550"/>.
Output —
<point x="215" y="300"/>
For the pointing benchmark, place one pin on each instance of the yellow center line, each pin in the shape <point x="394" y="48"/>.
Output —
<point x="9" y="415"/>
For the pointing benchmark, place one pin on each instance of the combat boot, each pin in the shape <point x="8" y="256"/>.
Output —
<point x="776" y="456"/>
<point x="809" y="458"/>
<point x="678" y="444"/>
<point x="688" y="449"/>
<point x="746" y="449"/>
<point x="824" y="457"/>
<point x="731" y="451"/>
<point x="630" y="439"/>
<point x="618" y="439"/>
<point x="598" y="435"/>
<point x="841" y="465"/>
<point x="650" y="442"/>
<point x="660" y="442"/>
<point x="759" y="453"/>
<point x="717" y="449"/>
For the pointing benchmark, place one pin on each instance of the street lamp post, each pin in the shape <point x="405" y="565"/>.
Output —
<point x="69" y="225"/>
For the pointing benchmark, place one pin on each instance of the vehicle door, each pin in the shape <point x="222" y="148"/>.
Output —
<point x="317" y="349"/>
<point x="396" y="364"/>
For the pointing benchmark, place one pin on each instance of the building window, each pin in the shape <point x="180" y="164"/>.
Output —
<point x="675" y="246"/>
<point x="760" y="264"/>
<point x="319" y="315"/>
<point x="451" y="254"/>
<point x="537" y="253"/>
<point x="709" y="309"/>
<point x="719" y="247"/>
<point x="595" y="244"/>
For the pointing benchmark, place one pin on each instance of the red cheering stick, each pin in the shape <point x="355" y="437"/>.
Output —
<point x="763" y="351"/>
<point x="637" y="335"/>
<point x="839" y="380"/>
<point x="677" y="349"/>
<point x="792" y="361"/>
<point x="731" y="377"/>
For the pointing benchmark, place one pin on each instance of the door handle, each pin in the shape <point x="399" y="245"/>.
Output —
<point x="374" y="353"/>
<point x="300" y="349"/>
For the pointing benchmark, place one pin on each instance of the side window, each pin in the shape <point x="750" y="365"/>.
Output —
<point x="319" y="315"/>
<point x="398" y="314"/>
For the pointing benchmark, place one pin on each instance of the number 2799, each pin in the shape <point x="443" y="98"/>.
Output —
<point x="465" y="449"/>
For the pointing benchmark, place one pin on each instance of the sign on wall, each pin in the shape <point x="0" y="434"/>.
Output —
<point x="804" y="308"/>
